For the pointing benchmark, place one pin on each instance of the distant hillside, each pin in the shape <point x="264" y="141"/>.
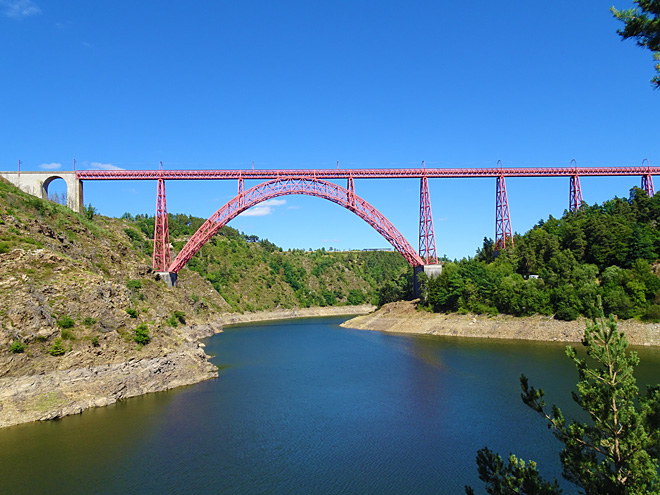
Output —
<point x="561" y="265"/>
<point x="253" y="274"/>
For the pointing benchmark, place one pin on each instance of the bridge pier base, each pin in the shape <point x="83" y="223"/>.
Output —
<point x="170" y="278"/>
<point x="431" y="271"/>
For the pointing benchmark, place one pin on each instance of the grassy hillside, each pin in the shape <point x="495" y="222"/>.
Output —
<point x="255" y="274"/>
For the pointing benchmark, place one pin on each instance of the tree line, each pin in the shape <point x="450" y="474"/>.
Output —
<point x="561" y="265"/>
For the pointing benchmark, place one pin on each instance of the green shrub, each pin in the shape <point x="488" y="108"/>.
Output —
<point x="57" y="349"/>
<point x="180" y="315"/>
<point x="142" y="334"/>
<point x="133" y="235"/>
<point x="68" y="334"/>
<point x="652" y="313"/>
<point x="132" y="312"/>
<point x="17" y="347"/>
<point x="88" y="322"/>
<point x="134" y="284"/>
<point x="66" y="322"/>
<point x="95" y="341"/>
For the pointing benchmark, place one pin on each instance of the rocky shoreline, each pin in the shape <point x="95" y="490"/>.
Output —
<point x="52" y="394"/>
<point x="403" y="317"/>
<point x="285" y="314"/>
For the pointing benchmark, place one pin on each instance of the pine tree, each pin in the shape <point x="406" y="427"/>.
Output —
<point x="616" y="451"/>
<point x="643" y="24"/>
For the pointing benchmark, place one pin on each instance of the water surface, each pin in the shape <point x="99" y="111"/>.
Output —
<point x="305" y="406"/>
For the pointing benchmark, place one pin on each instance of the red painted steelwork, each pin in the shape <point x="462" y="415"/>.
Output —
<point x="161" y="259"/>
<point x="503" y="234"/>
<point x="295" y="185"/>
<point x="575" y="199"/>
<point x="426" y="233"/>
<point x="378" y="173"/>
<point x="647" y="180"/>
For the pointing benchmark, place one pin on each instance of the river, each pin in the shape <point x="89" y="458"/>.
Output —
<point x="306" y="407"/>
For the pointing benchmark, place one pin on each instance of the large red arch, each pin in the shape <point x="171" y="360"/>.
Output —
<point x="295" y="185"/>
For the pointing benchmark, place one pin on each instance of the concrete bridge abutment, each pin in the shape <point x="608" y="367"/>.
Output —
<point x="431" y="271"/>
<point x="36" y="184"/>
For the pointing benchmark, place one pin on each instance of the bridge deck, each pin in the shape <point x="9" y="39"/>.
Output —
<point x="378" y="173"/>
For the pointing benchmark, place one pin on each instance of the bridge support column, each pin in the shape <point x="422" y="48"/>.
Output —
<point x="426" y="233"/>
<point x="503" y="234"/>
<point x="575" y="194"/>
<point x="161" y="258"/>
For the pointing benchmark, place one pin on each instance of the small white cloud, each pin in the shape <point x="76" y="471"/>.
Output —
<point x="293" y="207"/>
<point x="103" y="166"/>
<point x="265" y="208"/>
<point x="257" y="211"/>
<point x="17" y="9"/>
<point x="50" y="166"/>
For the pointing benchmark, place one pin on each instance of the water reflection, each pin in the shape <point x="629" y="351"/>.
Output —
<point x="308" y="407"/>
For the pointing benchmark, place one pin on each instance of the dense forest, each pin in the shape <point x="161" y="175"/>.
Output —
<point x="254" y="274"/>
<point x="561" y="265"/>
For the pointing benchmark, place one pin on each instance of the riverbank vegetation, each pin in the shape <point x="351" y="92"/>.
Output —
<point x="614" y="452"/>
<point x="561" y="265"/>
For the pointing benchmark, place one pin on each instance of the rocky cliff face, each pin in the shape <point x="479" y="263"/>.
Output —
<point x="84" y="321"/>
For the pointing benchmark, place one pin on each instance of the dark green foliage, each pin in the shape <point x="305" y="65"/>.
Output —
<point x="561" y="265"/>
<point x="133" y="235"/>
<point x="17" y="347"/>
<point x="642" y="23"/>
<point x="132" y="312"/>
<point x="66" y="322"/>
<point x="176" y="318"/>
<point x="355" y="297"/>
<point x="89" y="321"/>
<point x="57" y="349"/>
<point x="514" y="477"/>
<point x="180" y="316"/>
<point x="89" y="211"/>
<point x="141" y="335"/>
<point x="616" y="450"/>
<point x="397" y="289"/>
<point x="95" y="341"/>
<point x="134" y="284"/>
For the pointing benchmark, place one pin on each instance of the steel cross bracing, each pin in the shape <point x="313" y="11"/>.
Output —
<point x="295" y="185"/>
<point x="161" y="258"/>
<point x="378" y="173"/>
<point x="426" y="233"/>
<point x="503" y="233"/>
<point x="575" y="196"/>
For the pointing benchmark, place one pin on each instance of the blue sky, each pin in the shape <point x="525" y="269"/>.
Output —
<point x="216" y="84"/>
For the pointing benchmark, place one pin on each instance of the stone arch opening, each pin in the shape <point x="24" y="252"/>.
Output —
<point x="56" y="189"/>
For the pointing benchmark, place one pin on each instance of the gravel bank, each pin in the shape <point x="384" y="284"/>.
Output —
<point x="403" y="317"/>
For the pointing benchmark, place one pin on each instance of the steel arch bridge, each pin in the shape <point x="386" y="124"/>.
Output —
<point x="295" y="185"/>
